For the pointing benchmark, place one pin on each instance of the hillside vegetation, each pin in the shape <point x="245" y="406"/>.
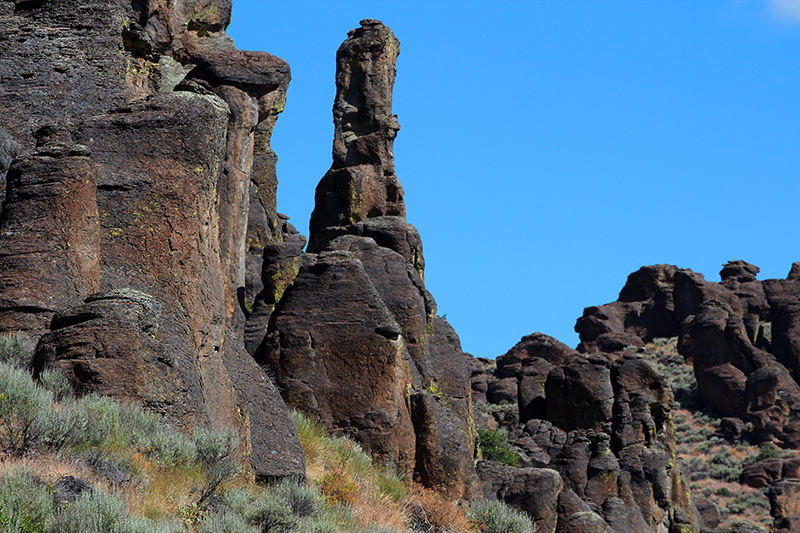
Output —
<point x="92" y="464"/>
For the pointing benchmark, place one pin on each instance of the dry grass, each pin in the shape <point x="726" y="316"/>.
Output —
<point x="428" y="511"/>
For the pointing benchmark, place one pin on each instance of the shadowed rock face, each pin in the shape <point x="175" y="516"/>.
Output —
<point x="354" y="338"/>
<point x="139" y="133"/>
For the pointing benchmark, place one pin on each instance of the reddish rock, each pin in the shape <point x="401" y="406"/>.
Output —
<point x="737" y="379"/>
<point x="502" y="391"/>
<point x="338" y="354"/>
<point x="691" y="289"/>
<point x="784" y="299"/>
<point x="708" y="512"/>
<point x="644" y="311"/>
<point x="763" y="473"/>
<point x="444" y="456"/>
<point x="124" y="184"/>
<point x="361" y="183"/>
<point x="531" y="389"/>
<point x="784" y="499"/>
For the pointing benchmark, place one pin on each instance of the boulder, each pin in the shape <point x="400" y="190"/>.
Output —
<point x="534" y="491"/>
<point x="535" y="345"/>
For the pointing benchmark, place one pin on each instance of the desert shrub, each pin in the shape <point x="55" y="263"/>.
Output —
<point x="723" y="491"/>
<point x="101" y="429"/>
<point x="23" y="407"/>
<point x="54" y="380"/>
<point x="172" y="448"/>
<point x="683" y="426"/>
<point x="496" y="517"/>
<point x="494" y="447"/>
<point x="17" y="349"/>
<point x="216" y="452"/>
<point x="338" y="487"/>
<point x="25" y="503"/>
<point x="703" y="447"/>
<point x="697" y="476"/>
<point x="101" y="512"/>
<point x="725" y="473"/>
<point x="768" y="451"/>
<point x="64" y="424"/>
<point x="302" y="500"/>
<point x="227" y="523"/>
<point x="429" y="511"/>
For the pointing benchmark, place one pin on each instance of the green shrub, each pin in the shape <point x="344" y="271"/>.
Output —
<point x="494" y="446"/>
<point x="496" y="517"/>
<point x="172" y="448"/>
<point x="725" y="473"/>
<point x="23" y="407"/>
<point x="227" y="523"/>
<point x="25" y="503"/>
<point x="216" y="452"/>
<point x="54" y="380"/>
<point x="768" y="451"/>
<point x="17" y="349"/>
<point x="101" y="512"/>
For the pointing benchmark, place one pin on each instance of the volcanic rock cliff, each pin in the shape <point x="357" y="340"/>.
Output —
<point x="141" y="136"/>
<point x="140" y="243"/>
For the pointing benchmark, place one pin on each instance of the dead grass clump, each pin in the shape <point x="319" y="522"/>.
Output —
<point x="430" y="512"/>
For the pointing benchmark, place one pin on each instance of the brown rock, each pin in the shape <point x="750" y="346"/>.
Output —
<point x="444" y="458"/>
<point x="708" y="512"/>
<point x="691" y="290"/>
<point x="135" y="203"/>
<point x="763" y="473"/>
<point x="338" y="354"/>
<point x="644" y="311"/>
<point x="361" y="183"/>
<point x="502" y="391"/>
<point x="534" y="345"/>
<point x="531" y="389"/>
<point x="784" y="499"/>
<point x="534" y="491"/>
<point x="579" y="395"/>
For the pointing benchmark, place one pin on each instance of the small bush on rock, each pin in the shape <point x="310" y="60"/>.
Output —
<point x="496" y="517"/>
<point x="494" y="446"/>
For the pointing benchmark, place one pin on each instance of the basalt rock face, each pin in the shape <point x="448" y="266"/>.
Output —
<point x="596" y="434"/>
<point x="741" y="335"/>
<point x="353" y="337"/>
<point x="138" y="135"/>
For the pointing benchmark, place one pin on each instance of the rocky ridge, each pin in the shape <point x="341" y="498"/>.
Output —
<point x="140" y="243"/>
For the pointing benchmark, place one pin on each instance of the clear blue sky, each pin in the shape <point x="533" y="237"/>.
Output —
<point x="550" y="148"/>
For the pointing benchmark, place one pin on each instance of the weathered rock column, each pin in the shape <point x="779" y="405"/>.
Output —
<point x="354" y="338"/>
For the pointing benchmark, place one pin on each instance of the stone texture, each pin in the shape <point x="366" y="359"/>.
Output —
<point x="131" y="174"/>
<point x="361" y="182"/>
<point x="352" y="333"/>
<point x="534" y="491"/>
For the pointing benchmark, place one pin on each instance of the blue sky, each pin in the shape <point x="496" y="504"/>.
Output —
<point x="550" y="148"/>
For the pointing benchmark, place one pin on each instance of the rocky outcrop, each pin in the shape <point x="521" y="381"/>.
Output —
<point x="601" y="423"/>
<point x="137" y="130"/>
<point x="353" y="337"/>
<point x="740" y="334"/>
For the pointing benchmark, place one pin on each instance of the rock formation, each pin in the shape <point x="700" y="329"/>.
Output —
<point x="353" y="337"/>
<point x="738" y="333"/>
<point x="140" y="135"/>
<point x="594" y="438"/>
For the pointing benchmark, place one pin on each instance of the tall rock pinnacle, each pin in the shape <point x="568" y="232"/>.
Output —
<point x="361" y="183"/>
<point x="353" y="338"/>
